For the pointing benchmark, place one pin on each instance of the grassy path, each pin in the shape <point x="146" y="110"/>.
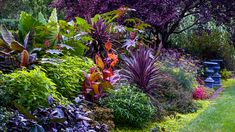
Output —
<point x="219" y="116"/>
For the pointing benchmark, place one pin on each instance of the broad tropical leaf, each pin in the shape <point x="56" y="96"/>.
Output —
<point x="53" y="18"/>
<point x="99" y="62"/>
<point x="6" y="35"/>
<point x="41" y="18"/>
<point x="26" y="24"/>
<point x="17" y="46"/>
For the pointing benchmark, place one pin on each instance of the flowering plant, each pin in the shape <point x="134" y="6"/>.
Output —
<point x="200" y="93"/>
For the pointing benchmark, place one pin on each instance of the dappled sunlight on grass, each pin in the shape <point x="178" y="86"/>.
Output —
<point x="220" y="116"/>
<point x="169" y="124"/>
<point x="182" y="120"/>
<point x="217" y="115"/>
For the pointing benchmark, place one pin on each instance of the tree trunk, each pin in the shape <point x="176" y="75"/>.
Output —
<point x="163" y="40"/>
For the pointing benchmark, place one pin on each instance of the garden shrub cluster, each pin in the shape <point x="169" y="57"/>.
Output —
<point x="201" y="93"/>
<point x="68" y="75"/>
<point x="130" y="106"/>
<point x="99" y="72"/>
<point x="225" y="74"/>
<point x="28" y="88"/>
<point x="172" y="97"/>
<point x="74" y="117"/>
<point x="184" y="79"/>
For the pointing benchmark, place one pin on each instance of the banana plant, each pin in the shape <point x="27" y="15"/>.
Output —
<point x="12" y="47"/>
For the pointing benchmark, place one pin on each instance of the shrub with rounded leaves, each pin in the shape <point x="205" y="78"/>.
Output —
<point x="130" y="106"/>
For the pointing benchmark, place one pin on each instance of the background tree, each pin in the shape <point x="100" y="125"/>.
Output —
<point x="164" y="15"/>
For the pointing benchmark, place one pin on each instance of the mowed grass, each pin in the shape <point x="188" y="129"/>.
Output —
<point x="220" y="115"/>
<point x="217" y="115"/>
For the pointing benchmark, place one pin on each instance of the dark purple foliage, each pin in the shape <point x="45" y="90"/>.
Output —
<point x="57" y="118"/>
<point x="164" y="15"/>
<point x="100" y="35"/>
<point x="140" y="69"/>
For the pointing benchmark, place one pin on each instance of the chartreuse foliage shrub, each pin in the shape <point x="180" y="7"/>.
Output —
<point x="130" y="106"/>
<point x="27" y="88"/>
<point x="225" y="74"/>
<point x="68" y="75"/>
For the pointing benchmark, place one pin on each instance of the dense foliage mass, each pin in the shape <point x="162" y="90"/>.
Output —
<point x="130" y="106"/>
<point x="68" y="75"/>
<point x="110" y="64"/>
<point x="74" y="117"/>
<point x="28" y="88"/>
<point x="164" y="15"/>
<point x="171" y="97"/>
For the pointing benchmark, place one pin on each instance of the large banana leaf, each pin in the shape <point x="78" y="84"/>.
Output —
<point x="26" y="24"/>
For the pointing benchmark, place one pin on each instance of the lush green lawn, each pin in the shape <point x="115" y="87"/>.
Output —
<point x="220" y="115"/>
<point x="216" y="116"/>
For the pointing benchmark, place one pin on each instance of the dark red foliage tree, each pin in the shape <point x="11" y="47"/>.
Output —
<point x="164" y="15"/>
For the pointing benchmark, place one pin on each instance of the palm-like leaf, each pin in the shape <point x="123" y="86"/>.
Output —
<point x="140" y="69"/>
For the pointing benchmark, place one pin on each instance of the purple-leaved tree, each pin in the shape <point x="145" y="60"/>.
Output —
<point x="164" y="15"/>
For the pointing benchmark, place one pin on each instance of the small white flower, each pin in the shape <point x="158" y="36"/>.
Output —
<point x="130" y="43"/>
<point x="119" y="28"/>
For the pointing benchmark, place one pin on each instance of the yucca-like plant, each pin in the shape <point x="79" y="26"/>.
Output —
<point x="140" y="69"/>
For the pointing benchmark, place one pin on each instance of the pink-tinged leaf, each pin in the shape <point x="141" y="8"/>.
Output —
<point x="24" y="58"/>
<point x="93" y="69"/>
<point x="114" y="79"/>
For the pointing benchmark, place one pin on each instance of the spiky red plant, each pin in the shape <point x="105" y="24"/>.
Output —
<point x="140" y="69"/>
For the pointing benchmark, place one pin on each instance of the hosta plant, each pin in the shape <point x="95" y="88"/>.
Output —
<point x="140" y="69"/>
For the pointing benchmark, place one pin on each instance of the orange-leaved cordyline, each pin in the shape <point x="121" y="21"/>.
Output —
<point x="114" y="58"/>
<point x="108" y="45"/>
<point x="99" y="62"/>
